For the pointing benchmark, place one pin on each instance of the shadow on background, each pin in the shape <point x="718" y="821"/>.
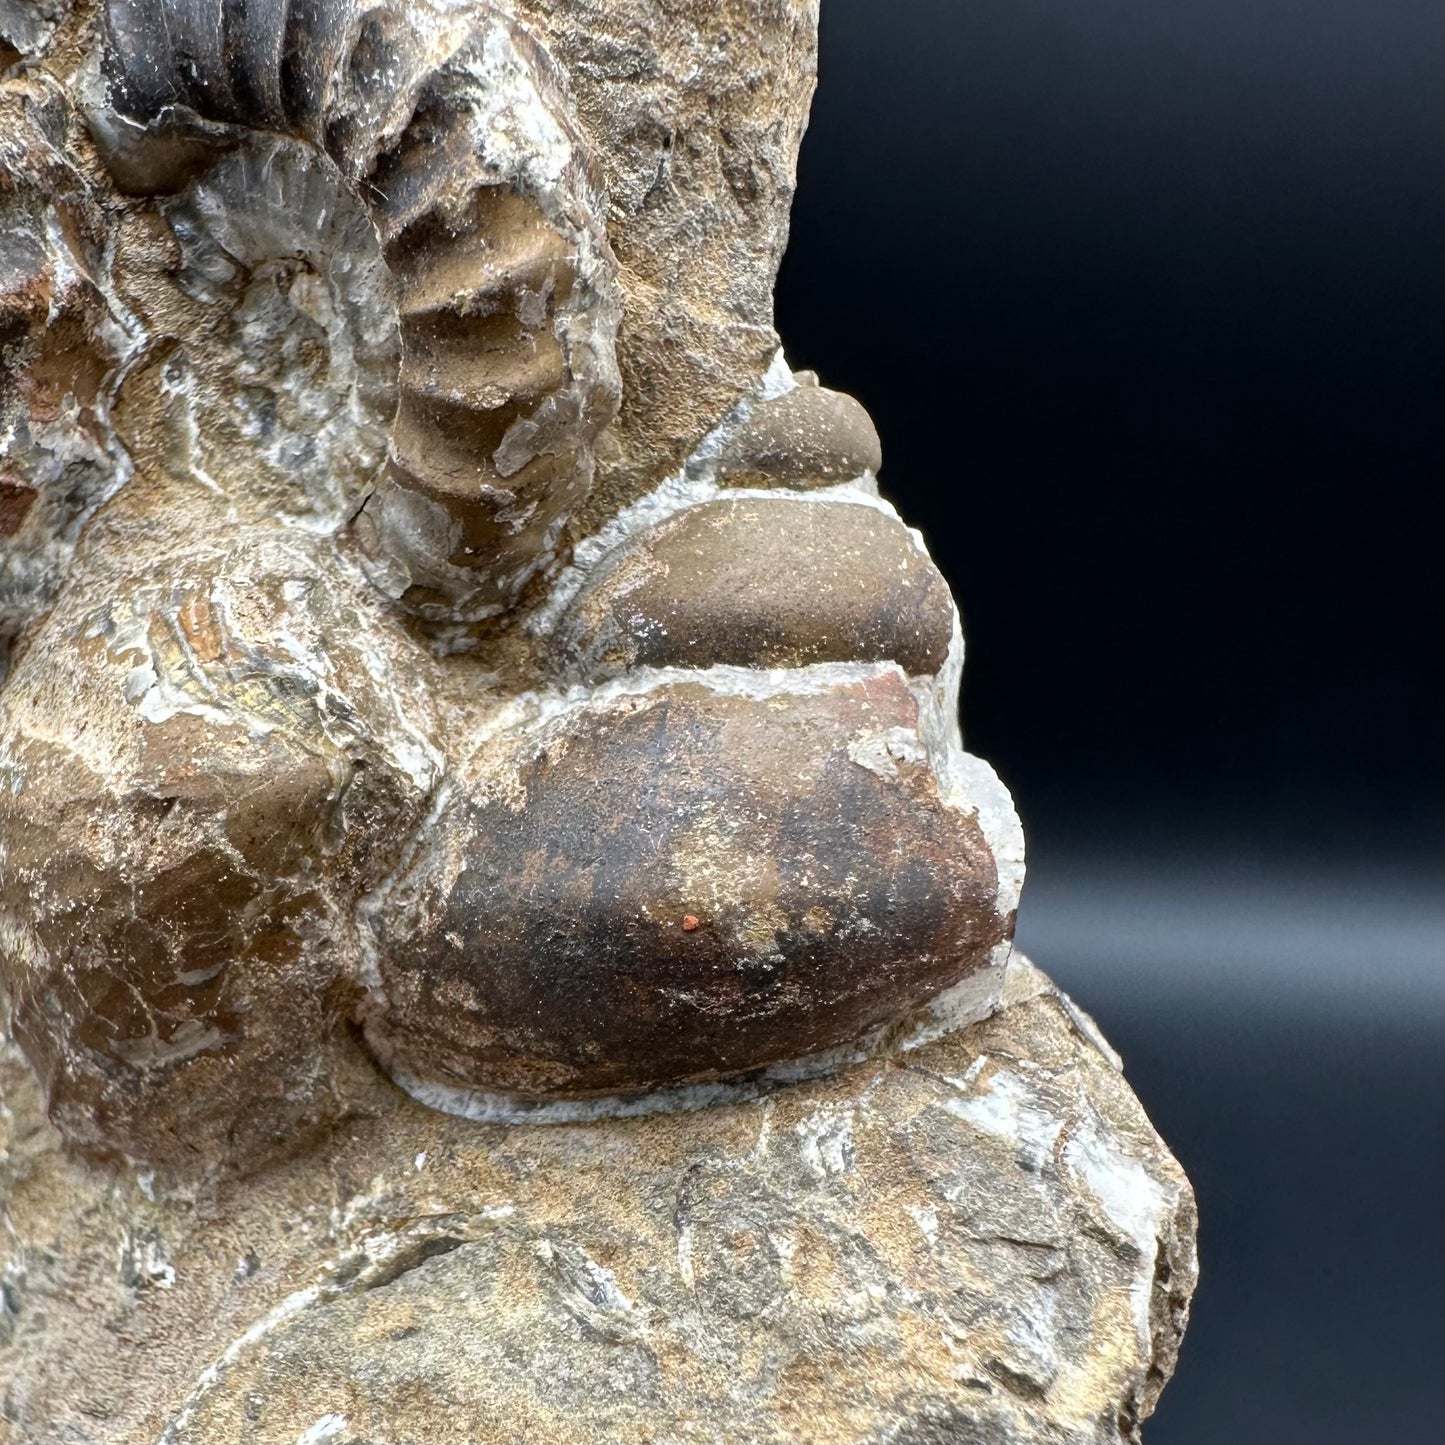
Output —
<point x="1145" y="300"/>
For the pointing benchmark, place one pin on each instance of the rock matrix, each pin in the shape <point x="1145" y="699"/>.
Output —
<point x="979" y="1238"/>
<point x="476" y="747"/>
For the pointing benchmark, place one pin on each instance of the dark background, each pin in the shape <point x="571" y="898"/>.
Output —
<point x="1145" y="298"/>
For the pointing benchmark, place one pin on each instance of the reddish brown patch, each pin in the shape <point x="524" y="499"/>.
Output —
<point x="689" y="923"/>
<point x="16" y="500"/>
<point x="203" y="631"/>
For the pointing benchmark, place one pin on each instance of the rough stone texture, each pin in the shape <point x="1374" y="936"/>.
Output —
<point x="315" y="325"/>
<point x="28" y="26"/>
<point x="980" y="1238"/>
<point x="176" y="979"/>
<point x="62" y="349"/>
<point x="696" y="113"/>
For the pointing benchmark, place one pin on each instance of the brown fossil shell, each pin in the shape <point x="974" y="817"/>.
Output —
<point x="679" y="886"/>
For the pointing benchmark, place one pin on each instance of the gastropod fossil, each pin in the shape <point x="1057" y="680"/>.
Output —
<point x="333" y="735"/>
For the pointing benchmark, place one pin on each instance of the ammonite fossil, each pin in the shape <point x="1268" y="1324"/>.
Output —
<point x="440" y="630"/>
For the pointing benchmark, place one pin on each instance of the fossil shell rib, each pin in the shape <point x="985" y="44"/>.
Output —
<point x="682" y="884"/>
<point x="761" y="582"/>
<point x="808" y="437"/>
<point x="453" y="130"/>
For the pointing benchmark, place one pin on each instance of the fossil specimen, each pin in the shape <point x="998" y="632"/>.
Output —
<point x="359" y="720"/>
<point x="439" y="631"/>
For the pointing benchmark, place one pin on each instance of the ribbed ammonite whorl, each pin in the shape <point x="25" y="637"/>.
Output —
<point x="329" y="734"/>
<point x="416" y="175"/>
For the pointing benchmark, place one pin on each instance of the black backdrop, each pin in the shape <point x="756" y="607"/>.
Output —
<point x="1145" y="297"/>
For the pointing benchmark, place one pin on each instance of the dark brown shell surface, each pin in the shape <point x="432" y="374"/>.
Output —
<point x="825" y="897"/>
<point x="332" y="734"/>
